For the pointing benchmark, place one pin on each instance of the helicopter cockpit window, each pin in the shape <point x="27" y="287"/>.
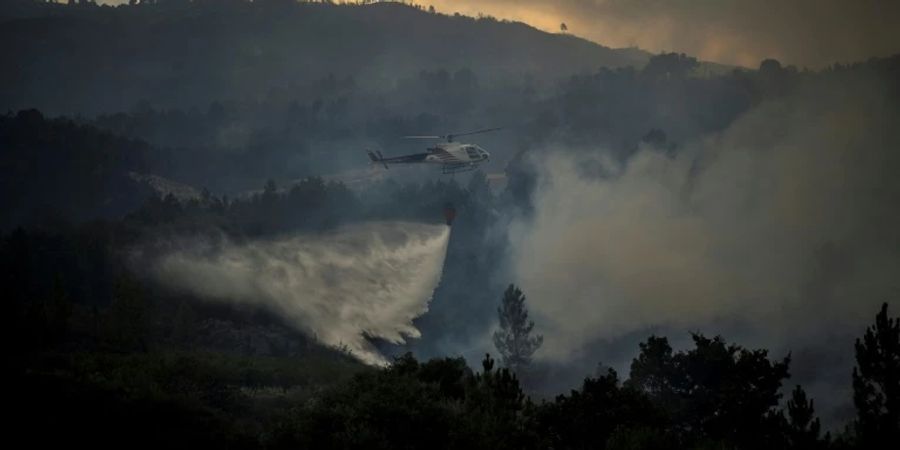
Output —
<point x="473" y="153"/>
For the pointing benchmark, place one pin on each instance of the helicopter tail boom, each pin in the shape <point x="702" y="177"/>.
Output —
<point x="377" y="157"/>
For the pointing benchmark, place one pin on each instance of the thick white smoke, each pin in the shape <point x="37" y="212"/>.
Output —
<point x="363" y="280"/>
<point x="786" y="224"/>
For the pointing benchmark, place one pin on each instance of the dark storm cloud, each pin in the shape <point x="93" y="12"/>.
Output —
<point x="802" y="32"/>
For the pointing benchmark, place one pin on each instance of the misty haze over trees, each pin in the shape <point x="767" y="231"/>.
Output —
<point x="131" y="130"/>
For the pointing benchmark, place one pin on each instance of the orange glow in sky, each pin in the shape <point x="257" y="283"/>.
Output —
<point x="813" y="33"/>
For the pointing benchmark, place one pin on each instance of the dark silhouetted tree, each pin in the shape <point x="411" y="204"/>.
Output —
<point x="715" y="391"/>
<point x="563" y="28"/>
<point x="670" y="65"/>
<point x="803" y="426"/>
<point x="876" y="383"/>
<point x="773" y="78"/>
<point x="770" y="66"/>
<point x="514" y="340"/>
<point x="487" y="364"/>
<point x="498" y="411"/>
<point x="589" y="417"/>
<point x="436" y="404"/>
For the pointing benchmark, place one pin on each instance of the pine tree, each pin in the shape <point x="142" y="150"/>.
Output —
<point x="513" y="340"/>
<point x="803" y="426"/>
<point x="876" y="382"/>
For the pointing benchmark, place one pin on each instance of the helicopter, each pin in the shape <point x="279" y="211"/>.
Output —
<point x="453" y="157"/>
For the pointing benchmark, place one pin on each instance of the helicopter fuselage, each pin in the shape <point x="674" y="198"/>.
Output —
<point x="451" y="156"/>
<point x="456" y="153"/>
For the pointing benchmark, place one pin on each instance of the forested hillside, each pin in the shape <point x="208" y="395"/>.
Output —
<point x="195" y="249"/>
<point x="96" y="59"/>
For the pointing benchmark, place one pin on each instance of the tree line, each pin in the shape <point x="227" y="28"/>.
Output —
<point x="714" y="395"/>
<point x="99" y="372"/>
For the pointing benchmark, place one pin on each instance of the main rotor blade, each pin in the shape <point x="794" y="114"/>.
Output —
<point x="424" y="137"/>
<point x="476" y="132"/>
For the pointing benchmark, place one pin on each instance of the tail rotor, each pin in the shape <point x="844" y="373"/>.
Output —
<point x="376" y="157"/>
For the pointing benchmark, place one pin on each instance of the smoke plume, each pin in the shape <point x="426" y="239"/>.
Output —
<point x="781" y="232"/>
<point x="368" y="280"/>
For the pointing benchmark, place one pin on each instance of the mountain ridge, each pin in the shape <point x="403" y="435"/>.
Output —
<point x="187" y="55"/>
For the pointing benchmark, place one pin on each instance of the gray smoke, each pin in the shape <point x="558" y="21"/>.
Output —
<point x="368" y="280"/>
<point x="781" y="232"/>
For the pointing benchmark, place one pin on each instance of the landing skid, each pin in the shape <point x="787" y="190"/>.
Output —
<point x="457" y="168"/>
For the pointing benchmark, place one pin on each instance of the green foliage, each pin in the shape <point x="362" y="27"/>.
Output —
<point x="715" y="390"/>
<point x="111" y="41"/>
<point x="55" y="169"/>
<point x="876" y="383"/>
<point x="604" y="414"/>
<point x="203" y="375"/>
<point x="670" y="65"/>
<point x="310" y="204"/>
<point x="803" y="427"/>
<point x="514" y="340"/>
<point x="100" y="355"/>
<point x="132" y="348"/>
<point x="714" y="396"/>
<point x="437" y="404"/>
<point x="186" y="398"/>
<point x="498" y="414"/>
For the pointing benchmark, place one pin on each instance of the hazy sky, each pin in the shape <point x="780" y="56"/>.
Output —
<point x="802" y="32"/>
<point x="810" y="33"/>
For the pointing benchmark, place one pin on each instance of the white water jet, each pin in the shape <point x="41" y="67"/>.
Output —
<point x="368" y="280"/>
